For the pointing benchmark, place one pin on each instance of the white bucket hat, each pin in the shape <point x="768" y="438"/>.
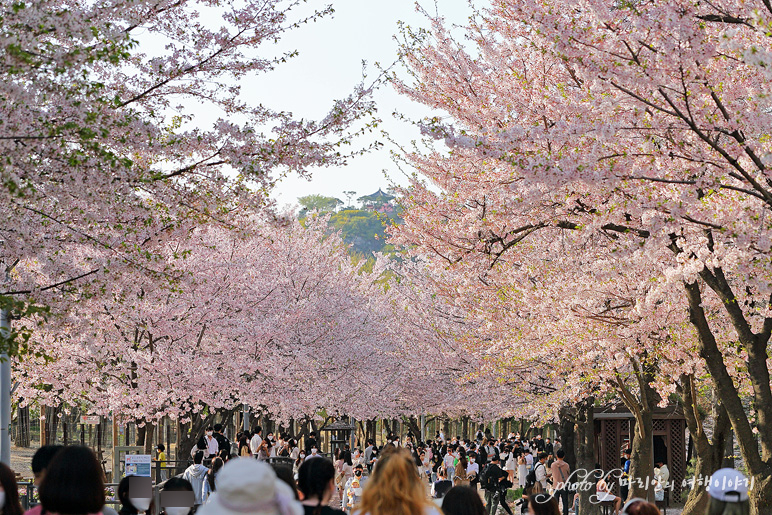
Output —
<point x="728" y="485"/>
<point x="246" y="486"/>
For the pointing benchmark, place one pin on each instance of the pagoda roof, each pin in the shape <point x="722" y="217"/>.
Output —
<point x="378" y="196"/>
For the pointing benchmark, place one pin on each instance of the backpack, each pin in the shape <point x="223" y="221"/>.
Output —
<point x="488" y="482"/>
<point x="530" y="479"/>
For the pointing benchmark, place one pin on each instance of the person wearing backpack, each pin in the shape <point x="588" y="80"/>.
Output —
<point x="492" y="481"/>
<point x="539" y="473"/>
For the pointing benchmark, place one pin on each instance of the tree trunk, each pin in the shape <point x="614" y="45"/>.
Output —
<point x="585" y="458"/>
<point x="23" y="438"/>
<point x="187" y="437"/>
<point x="414" y="427"/>
<point x="756" y="450"/>
<point x="141" y="425"/>
<point x="149" y="431"/>
<point x="642" y="457"/>
<point x="568" y="436"/>
<point x="709" y="456"/>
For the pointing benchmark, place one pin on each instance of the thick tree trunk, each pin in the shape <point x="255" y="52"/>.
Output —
<point x="642" y="457"/>
<point x="709" y="456"/>
<point x="585" y="458"/>
<point x="756" y="451"/>
<point x="187" y="436"/>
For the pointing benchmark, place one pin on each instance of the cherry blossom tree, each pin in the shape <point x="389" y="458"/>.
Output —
<point x="642" y="125"/>
<point x="103" y="152"/>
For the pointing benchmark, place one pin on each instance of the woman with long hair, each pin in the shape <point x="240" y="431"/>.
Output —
<point x="316" y="481"/>
<point x="348" y="473"/>
<point x="395" y="488"/>
<point x="244" y="445"/>
<point x="10" y="504"/>
<point x="74" y="483"/>
<point x="460" y="477"/>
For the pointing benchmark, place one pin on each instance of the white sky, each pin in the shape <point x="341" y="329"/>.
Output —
<point x="328" y="67"/>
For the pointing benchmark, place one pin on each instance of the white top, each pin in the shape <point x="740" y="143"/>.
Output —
<point x="541" y="474"/>
<point x="212" y="446"/>
<point x="294" y="453"/>
<point x="254" y="443"/>
<point x="313" y="456"/>
<point x="473" y="468"/>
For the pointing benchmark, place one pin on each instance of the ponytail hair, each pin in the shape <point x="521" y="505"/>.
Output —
<point x="314" y="478"/>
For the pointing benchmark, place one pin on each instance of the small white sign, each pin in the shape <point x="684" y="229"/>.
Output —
<point x="138" y="465"/>
<point x="90" y="419"/>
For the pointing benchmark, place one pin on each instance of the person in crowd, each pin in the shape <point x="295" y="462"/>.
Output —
<point x="286" y="474"/>
<point x="208" y="443"/>
<point x="461" y="500"/>
<point x="41" y="459"/>
<point x="460" y="477"/>
<point x="557" y="445"/>
<point x="270" y="445"/>
<point x="561" y="471"/>
<point x="130" y="506"/>
<point x="294" y="450"/>
<point x="298" y="462"/>
<point x="9" y="492"/>
<point x="177" y="484"/>
<point x="529" y="459"/>
<point x="160" y="458"/>
<point x="449" y="462"/>
<point x="728" y="491"/>
<point x="541" y="470"/>
<point x="441" y="486"/>
<point x="603" y="493"/>
<point x="492" y="480"/>
<point x="473" y="471"/>
<point x="347" y="472"/>
<point x="638" y="506"/>
<point x="522" y="470"/>
<point x="661" y="472"/>
<point x="311" y="442"/>
<point x="196" y="475"/>
<point x="542" y="504"/>
<point x="368" y="454"/>
<point x="624" y="487"/>
<point x="549" y="448"/>
<point x="211" y="477"/>
<point x="509" y="463"/>
<point x="244" y="445"/>
<point x="396" y="472"/>
<point x="250" y="487"/>
<point x="73" y="484"/>
<point x="354" y="488"/>
<point x="256" y="440"/>
<point x="316" y="481"/>
<point x="314" y="454"/>
<point x="223" y="444"/>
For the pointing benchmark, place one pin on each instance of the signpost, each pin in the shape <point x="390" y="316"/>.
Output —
<point x="137" y="465"/>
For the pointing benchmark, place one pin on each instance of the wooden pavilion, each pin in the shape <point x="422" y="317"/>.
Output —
<point x="613" y="434"/>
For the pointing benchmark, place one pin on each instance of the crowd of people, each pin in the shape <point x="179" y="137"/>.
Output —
<point x="437" y="477"/>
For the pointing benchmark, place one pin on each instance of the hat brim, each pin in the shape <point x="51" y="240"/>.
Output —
<point x="213" y="506"/>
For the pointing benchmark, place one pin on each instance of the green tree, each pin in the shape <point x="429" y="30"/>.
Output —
<point x="318" y="203"/>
